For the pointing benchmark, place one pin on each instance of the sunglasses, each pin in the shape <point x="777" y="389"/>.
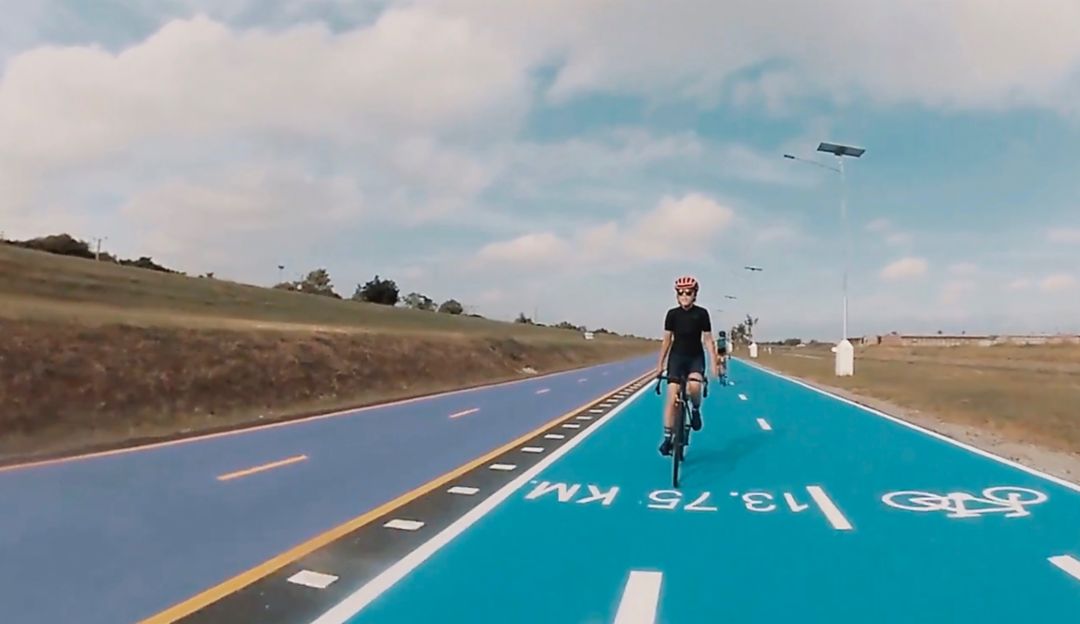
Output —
<point x="688" y="293"/>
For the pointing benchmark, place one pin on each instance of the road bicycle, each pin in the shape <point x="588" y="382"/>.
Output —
<point x="680" y="435"/>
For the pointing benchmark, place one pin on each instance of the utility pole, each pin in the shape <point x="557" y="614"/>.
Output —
<point x="97" y="253"/>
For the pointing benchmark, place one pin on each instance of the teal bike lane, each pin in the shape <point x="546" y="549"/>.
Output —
<point x="793" y="506"/>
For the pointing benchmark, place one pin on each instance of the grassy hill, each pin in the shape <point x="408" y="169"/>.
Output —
<point x="97" y="354"/>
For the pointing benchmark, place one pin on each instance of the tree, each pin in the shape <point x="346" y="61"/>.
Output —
<point x="418" y="301"/>
<point x="523" y="319"/>
<point x="451" y="306"/>
<point x="384" y="292"/>
<point x="317" y="282"/>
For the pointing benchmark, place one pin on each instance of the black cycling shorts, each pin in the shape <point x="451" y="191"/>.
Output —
<point x="680" y="366"/>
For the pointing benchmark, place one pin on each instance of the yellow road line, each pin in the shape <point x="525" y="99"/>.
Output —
<point x="238" y="582"/>
<point x="271" y="465"/>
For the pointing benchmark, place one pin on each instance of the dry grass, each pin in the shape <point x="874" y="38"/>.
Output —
<point x="96" y="354"/>
<point x="1024" y="393"/>
<point x="37" y="285"/>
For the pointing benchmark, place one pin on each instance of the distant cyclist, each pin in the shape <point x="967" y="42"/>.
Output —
<point x="687" y="330"/>
<point x="722" y="348"/>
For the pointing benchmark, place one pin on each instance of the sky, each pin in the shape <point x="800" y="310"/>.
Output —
<point x="569" y="159"/>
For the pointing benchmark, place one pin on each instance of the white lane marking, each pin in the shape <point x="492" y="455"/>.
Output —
<point x="944" y="438"/>
<point x="742" y="397"/>
<point x="352" y="604"/>
<point x="303" y="422"/>
<point x="463" y="490"/>
<point x="1068" y="564"/>
<point x="583" y="380"/>
<point x="465" y="412"/>
<point x="571" y="426"/>
<point x="404" y="525"/>
<point x="532" y="449"/>
<point x="596" y="410"/>
<point x="639" y="599"/>
<point x="262" y="468"/>
<point x="310" y="578"/>
<point x="764" y="424"/>
<point x="584" y="418"/>
<point x="832" y="512"/>
<point x="503" y="467"/>
<point x="543" y="390"/>
<point x="555" y="436"/>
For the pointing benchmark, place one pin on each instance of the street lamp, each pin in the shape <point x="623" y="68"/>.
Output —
<point x="753" y="343"/>
<point x="845" y="354"/>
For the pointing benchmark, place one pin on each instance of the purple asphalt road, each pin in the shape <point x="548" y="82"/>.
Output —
<point x="119" y="538"/>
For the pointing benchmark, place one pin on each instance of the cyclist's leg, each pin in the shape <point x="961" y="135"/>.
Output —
<point x="696" y="370"/>
<point x="676" y="368"/>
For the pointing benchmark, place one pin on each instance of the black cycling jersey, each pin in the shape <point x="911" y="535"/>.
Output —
<point x="686" y="325"/>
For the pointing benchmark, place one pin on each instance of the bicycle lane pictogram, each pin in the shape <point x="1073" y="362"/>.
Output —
<point x="827" y="516"/>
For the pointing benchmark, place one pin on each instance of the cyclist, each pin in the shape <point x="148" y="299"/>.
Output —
<point x="721" y="347"/>
<point x="687" y="328"/>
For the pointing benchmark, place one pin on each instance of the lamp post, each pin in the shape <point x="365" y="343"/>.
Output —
<point x="753" y="342"/>
<point x="845" y="353"/>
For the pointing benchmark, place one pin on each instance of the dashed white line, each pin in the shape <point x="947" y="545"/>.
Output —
<point x="404" y="525"/>
<point x="832" y="513"/>
<point x="543" y="390"/>
<point x="1070" y="565"/>
<point x="352" y="604"/>
<point x="463" y="490"/>
<point x="639" y="599"/>
<point x="583" y="379"/>
<point x="532" y="449"/>
<point x="555" y="436"/>
<point x="583" y="417"/>
<point x="465" y="412"/>
<point x="503" y="467"/>
<point x="764" y="424"/>
<point x="742" y="397"/>
<point x="571" y="426"/>
<point x="596" y="411"/>
<point x="310" y="578"/>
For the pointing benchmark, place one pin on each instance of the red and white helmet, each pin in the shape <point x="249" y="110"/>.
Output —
<point x="685" y="282"/>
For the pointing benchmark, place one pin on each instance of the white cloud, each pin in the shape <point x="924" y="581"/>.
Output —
<point x="898" y="238"/>
<point x="879" y="225"/>
<point x="690" y="49"/>
<point x="1057" y="283"/>
<point x="1020" y="283"/>
<point x="538" y="249"/>
<point x="196" y="222"/>
<point x="964" y="268"/>
<point x="904" y="268"/>
<point x="199" y="78"/>
<point x="674" y="228"/>
<point x="956" y="291"/>
<point x="778" y="233"/>
<point x="1063" y="235"/>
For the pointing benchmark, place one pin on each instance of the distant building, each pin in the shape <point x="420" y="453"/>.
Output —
<point x="896" y="339"/>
